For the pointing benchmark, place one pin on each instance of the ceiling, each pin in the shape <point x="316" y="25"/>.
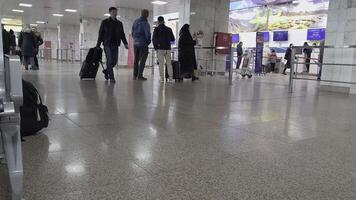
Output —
<point x="42" y="10"/>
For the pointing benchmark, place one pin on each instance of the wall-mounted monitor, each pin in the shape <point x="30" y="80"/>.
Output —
<point x="316" y="34"/>
<point x="235" y="38"/>
<point x="266" y="36"/>
<point x="280" y="36"/>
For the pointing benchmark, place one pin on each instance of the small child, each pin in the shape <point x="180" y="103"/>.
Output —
<point x="273" y="60"/>
<point x="245" y="70"/>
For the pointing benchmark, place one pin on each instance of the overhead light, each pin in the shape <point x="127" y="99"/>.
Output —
<point x="57" y="15"/>
<point x="25" y="5"/>
<point x="159" y="2"/>
<point x="193" y="13"/>
<point x="6" y="19"/>
<point x="40" y="22"/>
<point x="70" y="10"/>
<point x="33" y="24"/>
<point x="17" y="10"/>
<point x="107" y="15"/>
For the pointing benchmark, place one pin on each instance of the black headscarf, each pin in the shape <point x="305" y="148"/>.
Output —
<point x="185" y="30"/>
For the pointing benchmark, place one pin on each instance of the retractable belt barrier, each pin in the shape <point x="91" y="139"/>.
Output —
<point x="319" y="62"/>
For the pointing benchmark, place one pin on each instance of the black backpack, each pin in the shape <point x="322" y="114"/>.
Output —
<point x="34" y="115"/>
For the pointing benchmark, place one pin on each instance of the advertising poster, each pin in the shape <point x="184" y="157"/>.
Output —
<point x="259" y="52"/>
<point x="251" y="15"/>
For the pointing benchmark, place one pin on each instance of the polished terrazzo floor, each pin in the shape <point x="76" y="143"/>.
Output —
<point x="203" y="140"/>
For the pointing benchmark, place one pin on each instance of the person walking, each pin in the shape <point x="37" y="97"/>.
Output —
<point x="287" y="57"/>
<point x="12" y="42"/>
<point x="27" y="43"/>
<point x="186" y="52"/>
<point x="111" y="33"/>
<point x="240" y="53"/>
<point x="307" y="50"/>
<point x="162" y="38"/>
<point x="141" y="33"/>
<point x="39" y="42"/>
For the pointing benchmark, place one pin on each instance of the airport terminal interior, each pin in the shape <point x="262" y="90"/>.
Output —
<point x="233" y="128"/>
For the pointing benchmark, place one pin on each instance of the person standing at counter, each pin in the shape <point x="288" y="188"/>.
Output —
<point x="307" y="55"/>
<point x="239" y="54"/>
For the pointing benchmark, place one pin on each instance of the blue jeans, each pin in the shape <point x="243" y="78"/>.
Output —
<point x="112" y="54"/>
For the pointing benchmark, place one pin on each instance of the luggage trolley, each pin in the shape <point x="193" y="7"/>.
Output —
<point x="10" y="102"/>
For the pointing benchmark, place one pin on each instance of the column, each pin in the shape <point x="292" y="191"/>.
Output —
<point x="341" y="30"/>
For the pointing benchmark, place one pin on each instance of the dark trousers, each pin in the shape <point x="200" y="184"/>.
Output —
<point x="307" y="62"/>
<point x="36" y="62"/>
<point x="273" y="67"/>
<point x="239" y="60"/>
<point x="112" y="55"/>
<point x="286" y="66"/>
<point x="141" y="54"/>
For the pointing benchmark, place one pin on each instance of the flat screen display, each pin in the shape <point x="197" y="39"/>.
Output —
<point x="316" y="34"/>
<point x="280" y="36"/>
<point x="270" y="2"/>
<point x="266" y="36"/>
<point x="235" y="38"/>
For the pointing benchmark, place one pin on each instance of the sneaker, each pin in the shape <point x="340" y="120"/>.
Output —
<point x="113" y="80"/>
<point x="142" y="78"/>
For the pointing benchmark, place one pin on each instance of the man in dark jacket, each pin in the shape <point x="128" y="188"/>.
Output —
<point x="39" y="42"/>
<point x="111" y="34"/>
<point x="307" y="55"/>
<point x="162" y="38"/>
<point x="287" y="57"/>
<point x="5" y="41"/>
<point x="12" y="42"/>
<point x="239" y="55"/>
<point x="141" y="33"/>
<point x="27" y="43"/>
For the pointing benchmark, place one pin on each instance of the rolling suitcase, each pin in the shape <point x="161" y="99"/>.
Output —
<point x="176" y="71"/>
<point x="91" y="64"/>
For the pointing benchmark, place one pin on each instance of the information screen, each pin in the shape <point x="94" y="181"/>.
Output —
<point x="316" y="34"/>
<point x="280" y="36"/>
<point x="235" y="38"/>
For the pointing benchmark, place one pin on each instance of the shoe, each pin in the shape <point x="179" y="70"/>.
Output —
<point x="284" y="73"/>
<point x="142" y="78"/>
<point x="26" y="68"/>
<point x="113" y="80"/>
<point x="134" y="78"/>
<point x="194" y="78"/>
<point x="170" y="81"/>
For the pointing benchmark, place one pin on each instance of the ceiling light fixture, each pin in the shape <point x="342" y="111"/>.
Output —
<point x="40" y="22"/>
<point x="33" y="24"/>
<point x="159" y="2"/>
<point x="25" y="5"/>
<point x="70" y="10"/>
<point x="6" y="19"/>
<point x="17" y="10"/>
<point x="57" y="15"/>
